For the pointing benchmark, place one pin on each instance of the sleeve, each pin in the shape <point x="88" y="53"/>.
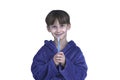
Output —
<point x="42" y="69"/>
<point x="75" y="69"/>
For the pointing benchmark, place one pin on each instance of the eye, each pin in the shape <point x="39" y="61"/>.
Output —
<point x="53" y="26"/>
<point x="62" y="25"/>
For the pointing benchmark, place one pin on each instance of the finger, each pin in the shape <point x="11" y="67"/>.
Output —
<point x="58" y="56"/>
<point x="61" y="56"/>
<point x="61" y="53"/>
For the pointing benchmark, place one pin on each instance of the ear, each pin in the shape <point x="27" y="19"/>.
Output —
<point x="68" y="26"/>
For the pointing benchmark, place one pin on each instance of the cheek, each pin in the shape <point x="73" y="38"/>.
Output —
<point x="52" y="30"/>
<point x="65" y="29"/>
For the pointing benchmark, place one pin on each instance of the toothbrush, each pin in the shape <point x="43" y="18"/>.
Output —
<point x="58" y="47"/>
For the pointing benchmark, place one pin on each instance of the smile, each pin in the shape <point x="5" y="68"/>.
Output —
<point x="58" y="35"/>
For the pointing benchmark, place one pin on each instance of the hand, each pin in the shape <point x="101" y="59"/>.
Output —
<point x="59" y="58"/>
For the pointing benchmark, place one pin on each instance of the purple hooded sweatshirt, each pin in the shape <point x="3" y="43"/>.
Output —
<point x="44" y="68"/>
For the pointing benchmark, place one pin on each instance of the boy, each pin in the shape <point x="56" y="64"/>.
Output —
<point x="51" y="64"/>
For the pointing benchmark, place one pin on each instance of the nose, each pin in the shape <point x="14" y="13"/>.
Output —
<point x="58" y="29"/>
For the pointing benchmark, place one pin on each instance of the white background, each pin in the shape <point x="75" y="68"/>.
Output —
<point x="95" y="29"/>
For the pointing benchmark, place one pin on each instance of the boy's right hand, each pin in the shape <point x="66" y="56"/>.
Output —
<point x="59" y="58"/>
<point x="55" y="61"/>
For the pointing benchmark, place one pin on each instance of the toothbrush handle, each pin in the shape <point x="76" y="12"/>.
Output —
<point x="59" y="49"/>
<point x="58" y="44"/>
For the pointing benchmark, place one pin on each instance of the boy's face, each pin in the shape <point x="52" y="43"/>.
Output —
<point x="59" y="30"/>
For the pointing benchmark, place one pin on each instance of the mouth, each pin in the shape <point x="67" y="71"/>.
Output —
<point x="58" y="35"/>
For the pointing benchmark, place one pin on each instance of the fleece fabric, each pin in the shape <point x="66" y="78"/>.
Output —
<point x="44" y="68"/>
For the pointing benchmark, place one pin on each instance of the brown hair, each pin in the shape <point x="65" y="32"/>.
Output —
<point x="62" y="16"/>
